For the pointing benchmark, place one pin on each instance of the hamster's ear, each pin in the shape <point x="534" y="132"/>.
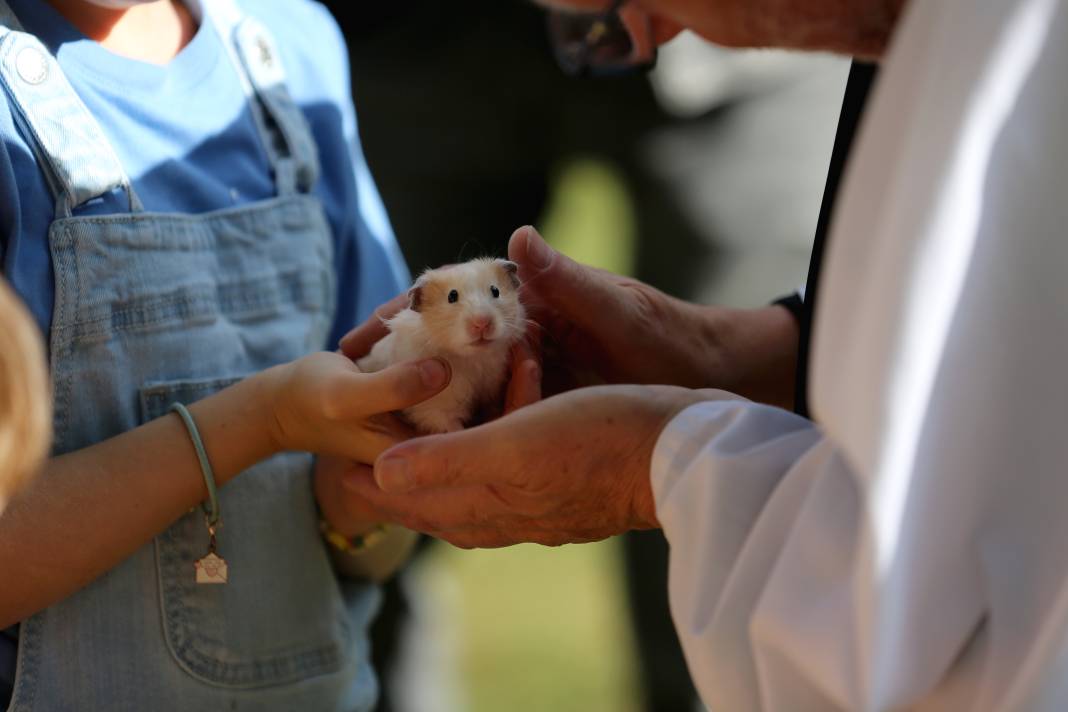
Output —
<point x="415" y="296"/>
<point x="511" y="269"/>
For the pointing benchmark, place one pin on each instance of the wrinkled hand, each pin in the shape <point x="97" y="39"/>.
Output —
<point x="602" y="327"/>
<point x="572" y="468"/>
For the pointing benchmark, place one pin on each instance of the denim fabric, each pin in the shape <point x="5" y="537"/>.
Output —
<point x="155" y="308"/>
<point x="78" y="164"/>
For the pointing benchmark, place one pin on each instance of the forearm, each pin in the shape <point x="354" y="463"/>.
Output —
<point x="90" y="509"/>
<point x="751" y="352"/>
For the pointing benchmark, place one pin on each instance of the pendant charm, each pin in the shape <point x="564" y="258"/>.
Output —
<point x="212" y="568"/>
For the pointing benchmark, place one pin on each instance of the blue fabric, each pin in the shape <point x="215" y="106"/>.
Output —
<point x="187" y="140"/>
<point x="189" y="145"/>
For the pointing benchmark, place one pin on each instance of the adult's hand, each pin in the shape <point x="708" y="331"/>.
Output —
<point x="572" y="468"/>
<point x="603" y="327"/>
<point x="611" y="328"/>
<point x="348" y="511"/>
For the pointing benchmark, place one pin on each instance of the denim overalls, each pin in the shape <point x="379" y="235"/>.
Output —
<point x="155" y="308"/>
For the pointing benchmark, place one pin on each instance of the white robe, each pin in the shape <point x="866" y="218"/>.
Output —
<point x="911" y="552"/>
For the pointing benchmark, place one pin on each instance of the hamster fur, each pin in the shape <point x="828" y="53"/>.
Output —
<point x="469" y="315"/>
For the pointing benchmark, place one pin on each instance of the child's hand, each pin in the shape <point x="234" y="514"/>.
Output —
<point x="323" y="403"/>
<point x="358" y="342"/>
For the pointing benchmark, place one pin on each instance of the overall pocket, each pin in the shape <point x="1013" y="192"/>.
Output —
<point x="280" y="618"/>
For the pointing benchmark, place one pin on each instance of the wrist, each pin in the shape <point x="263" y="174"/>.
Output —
<point x="269" y="400"/>
<point x="233" y="426"/>
<point x="660" y="406"/>
<point x="377" y="557"/>
<point x="713" y="358"/>
<point x="644" y="505"/>
<point x="758" y="354"/>
<point x="347" y="527"/>
<point x="353" y="544"/>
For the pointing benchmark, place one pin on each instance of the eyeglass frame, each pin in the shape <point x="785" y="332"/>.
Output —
<point x="579" y="61"/>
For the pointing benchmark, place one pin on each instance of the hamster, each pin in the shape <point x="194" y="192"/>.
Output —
<point x="467" y="314"/>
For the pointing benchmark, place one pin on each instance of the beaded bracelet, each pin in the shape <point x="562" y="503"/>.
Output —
<point x="352" y="545"/>
<point x="212" y="568"/>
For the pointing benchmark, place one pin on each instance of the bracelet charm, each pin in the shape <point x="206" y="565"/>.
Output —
<point x="212" y="568"/>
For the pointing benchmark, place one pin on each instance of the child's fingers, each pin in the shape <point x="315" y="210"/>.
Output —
<point x="358" y="342"/>
<point x="360" y="395"/>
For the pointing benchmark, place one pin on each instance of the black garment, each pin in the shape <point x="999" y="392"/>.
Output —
<point x="861" y="78"/>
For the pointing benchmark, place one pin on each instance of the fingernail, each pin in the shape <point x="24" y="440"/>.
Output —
<point x="433" y="372"/>
<point x="393" y="475"/>
<point x="538" y="253"/>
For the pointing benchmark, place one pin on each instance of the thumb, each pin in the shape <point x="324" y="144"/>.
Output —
<point x="395" y="388"/>
<point x="576" y="291"/>
<point x="467" y="457"/>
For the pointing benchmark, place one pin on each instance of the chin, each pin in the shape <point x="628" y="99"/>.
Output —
<point x="474" y="348"/>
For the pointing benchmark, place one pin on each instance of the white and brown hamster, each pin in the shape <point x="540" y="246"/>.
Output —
<point x="467" y="314"/>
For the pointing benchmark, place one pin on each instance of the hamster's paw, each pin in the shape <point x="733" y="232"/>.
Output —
<point x="452" y="426"/>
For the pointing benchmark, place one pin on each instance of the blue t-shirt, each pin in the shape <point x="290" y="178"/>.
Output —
<point x="188" y="144"/>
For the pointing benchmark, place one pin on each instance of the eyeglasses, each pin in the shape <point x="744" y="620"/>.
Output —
<point x="601" y="43"/>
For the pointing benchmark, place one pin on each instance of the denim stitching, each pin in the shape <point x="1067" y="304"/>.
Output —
<point x="28" y="668"/>
<point x="174" y="557"/>
<point x="237" y="302"/>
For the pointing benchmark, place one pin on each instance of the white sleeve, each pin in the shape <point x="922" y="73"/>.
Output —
<point x="910" y="553"/>
<point x="718" y="469"/>
<point x="770" y="581"/>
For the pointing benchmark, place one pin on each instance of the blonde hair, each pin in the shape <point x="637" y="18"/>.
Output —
<point x="25" y="399"/>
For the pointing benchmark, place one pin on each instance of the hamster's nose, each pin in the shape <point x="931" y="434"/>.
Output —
<point x="480" y="326"/>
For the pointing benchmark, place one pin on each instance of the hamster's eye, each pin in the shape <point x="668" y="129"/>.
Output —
<point x="454" y="297"/>
<point x="495" y="292"/>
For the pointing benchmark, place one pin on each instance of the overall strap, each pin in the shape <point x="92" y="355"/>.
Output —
<point x="285" y="133"/>
<point x="75" y="155"/>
